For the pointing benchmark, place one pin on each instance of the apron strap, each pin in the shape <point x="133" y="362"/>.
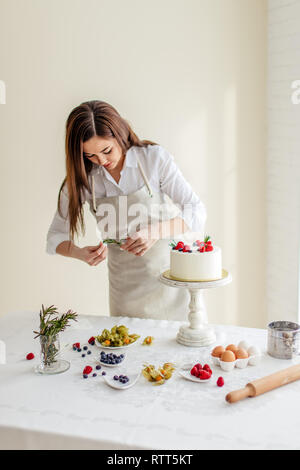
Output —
<point x="144" y="177"/>
<point x="146" y="181"/>
<point x="93" y="194"/>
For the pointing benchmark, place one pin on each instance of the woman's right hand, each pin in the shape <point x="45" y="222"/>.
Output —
<point x="93" y="255"/>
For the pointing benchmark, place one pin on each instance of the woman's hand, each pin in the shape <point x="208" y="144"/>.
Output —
<point x="93" y="255"/>
<point x="139" y="242"/>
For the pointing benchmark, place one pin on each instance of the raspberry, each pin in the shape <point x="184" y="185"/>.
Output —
<point x="220" y="382"/>
<point x="202" y="249"/>
<point x="199" y="367"/>
<point x="179" y="245"/>
<point x="29" y="356"/>
<point x="209" y="248"/>
<point x="204" y="375"/>
<point x="76" y="345"/>
<point x="194" y="371"/>
<point x="186" y="248"/>
<point x="207" y="368"/>
<point x="91" y="340"/>
<point x="87" y="370"/>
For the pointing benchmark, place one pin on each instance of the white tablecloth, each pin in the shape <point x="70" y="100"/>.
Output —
<point x="68" y="412"/>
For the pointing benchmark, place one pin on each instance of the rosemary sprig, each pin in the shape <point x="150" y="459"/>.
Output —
<point x="50" y="326"/>
<point x="112" y="240"/>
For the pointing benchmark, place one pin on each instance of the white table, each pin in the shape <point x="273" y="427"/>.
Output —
<point x="68" y="412"/>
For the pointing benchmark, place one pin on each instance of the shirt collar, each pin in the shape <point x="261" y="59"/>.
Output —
<point x="130" y="158"/>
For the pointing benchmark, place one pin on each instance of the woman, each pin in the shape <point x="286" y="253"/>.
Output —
<point x="119" y="175"/>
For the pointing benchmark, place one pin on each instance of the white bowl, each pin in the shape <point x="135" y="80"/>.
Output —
<point x="241" y="363"/>
<point x="227" y="366"/>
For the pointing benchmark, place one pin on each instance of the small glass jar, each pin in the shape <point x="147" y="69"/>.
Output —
<point x="283" y="339"/>
<point x="50" y="362"/>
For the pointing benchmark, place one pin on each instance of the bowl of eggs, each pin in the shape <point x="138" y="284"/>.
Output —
<point x="235" y="356"/>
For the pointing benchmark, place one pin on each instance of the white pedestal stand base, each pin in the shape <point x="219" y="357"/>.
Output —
<point x="198" y="333"/>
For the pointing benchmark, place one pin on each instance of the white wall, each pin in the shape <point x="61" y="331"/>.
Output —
<point x="283" y="169"/>
<point x="190" y="75"/>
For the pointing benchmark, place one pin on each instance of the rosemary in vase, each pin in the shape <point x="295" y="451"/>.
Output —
<point x="50" y="326"/>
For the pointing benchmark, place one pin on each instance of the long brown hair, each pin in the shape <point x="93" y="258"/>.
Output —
<point x="92" y="118"/>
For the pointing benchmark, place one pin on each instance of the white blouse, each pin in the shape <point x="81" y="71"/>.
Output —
<point x="163" y="175"/>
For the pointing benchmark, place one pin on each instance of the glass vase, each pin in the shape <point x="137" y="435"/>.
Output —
<point x="50" y="362"/>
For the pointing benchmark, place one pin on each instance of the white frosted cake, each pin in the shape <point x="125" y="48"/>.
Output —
<point x="202" y="263"/>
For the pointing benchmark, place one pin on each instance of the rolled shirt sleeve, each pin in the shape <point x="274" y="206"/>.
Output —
<point x="59" y="230"/>
<point x="173" y="183"/>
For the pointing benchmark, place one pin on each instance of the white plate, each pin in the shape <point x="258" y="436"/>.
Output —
<point x="113" y="348"/>
<point x="112" y="365"/>
<point x="185" y="372"/>
<point x="133" y="378"/>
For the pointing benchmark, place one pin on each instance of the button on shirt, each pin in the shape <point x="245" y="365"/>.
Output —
<point x="163" y="175"/>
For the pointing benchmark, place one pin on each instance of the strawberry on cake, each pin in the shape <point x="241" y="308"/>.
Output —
<point x="201" y="262"/>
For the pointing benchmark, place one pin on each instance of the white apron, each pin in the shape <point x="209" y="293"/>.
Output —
<point x="134" y="287"/>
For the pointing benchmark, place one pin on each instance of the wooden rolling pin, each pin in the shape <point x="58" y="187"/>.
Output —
<point x="257" y="387"/>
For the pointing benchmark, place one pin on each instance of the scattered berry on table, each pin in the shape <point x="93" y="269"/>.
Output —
<point x="116" y="377"/>
<point x="76" y="345"/>
<point x="89" y="352"/>
<point x="79" y="349"/>
<point x="87" y="370"/>
<point x="220" y="382"/>
<point x="94" y="375"/>
<point x="29" y="356"/>
<point x="85" y="348"/>
<point x="103" y="373"/>
<point x="85" y="376"/>
<point x="91" y="340"/>
<point x="98" y="367"/>
<point x="82" y="355"/>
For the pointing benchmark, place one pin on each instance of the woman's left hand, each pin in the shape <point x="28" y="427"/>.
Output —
<point x="139" y="242"/>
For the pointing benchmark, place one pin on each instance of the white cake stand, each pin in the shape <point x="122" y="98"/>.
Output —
<point x="198" y="333"/>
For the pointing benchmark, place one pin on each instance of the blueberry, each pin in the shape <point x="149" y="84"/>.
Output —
<point x="103" y="373"/>
<point x="74" y="348"/>
<point x="93" y="343"/>
<point x="85" y="348"/>
<point x="82" y="355"/>
<point x="174" y="248"/>
<point x="180" y="249"/>
<point x="122" y="356"/>
<point x="98" y="367"/>
<point x="79" y="349"/>
<point x="85" y="376"/>
<point x="94" y="375"/>
<point x="89" y="352"/>
<point x="116" y="377"/>
<point x="190" y="251"/>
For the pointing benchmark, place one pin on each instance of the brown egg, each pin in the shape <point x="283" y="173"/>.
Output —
<point x="232" y="347"/>
<point x="217" y="351"/>
<point x="228" y="356"/>
<point x="241" y="354"/>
